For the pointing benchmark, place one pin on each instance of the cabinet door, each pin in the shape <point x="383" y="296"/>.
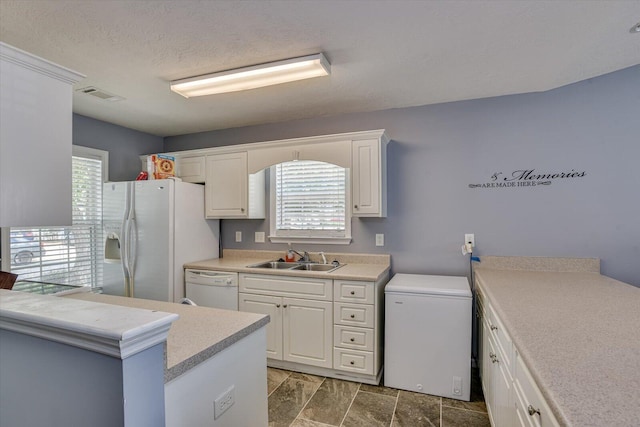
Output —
<point x="191" y="169"/>
<point x="366" y="179"/>
<point x="226" y="186"/>
<point x="308" y="332"/>
<point x="264" y="304"/>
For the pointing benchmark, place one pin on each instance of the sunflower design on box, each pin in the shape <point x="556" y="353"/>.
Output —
<point x="161" y="166"/>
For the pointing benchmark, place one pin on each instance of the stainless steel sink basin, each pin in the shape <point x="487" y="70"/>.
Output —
<point x="317" y="267"/>
<point x="308" y="266"/>
<point x="275" y="264"/>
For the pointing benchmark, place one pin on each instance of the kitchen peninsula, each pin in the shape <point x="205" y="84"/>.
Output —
<point x="114" y="345"/>
<point x="559" y="343"/>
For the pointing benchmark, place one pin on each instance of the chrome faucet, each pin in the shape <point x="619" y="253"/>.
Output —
<point x="303" y="257"/>
<point x="324" y="259"/>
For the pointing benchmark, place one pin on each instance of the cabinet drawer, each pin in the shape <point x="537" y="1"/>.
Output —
<point x="353" y="360"/>
<point x="531" y="398"/>
<point x="352" y="291"/>
<point x="353" y="314"/>
<point x="351" y="337"/>
<point x="311" y="288"/>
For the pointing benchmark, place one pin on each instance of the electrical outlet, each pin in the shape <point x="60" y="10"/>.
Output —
<point x="470" y="239"/>
<point x="259" y="237"/>
<point x="238" y="236"/>
<point x="224" y="402"/>
<point x="379" y="239"/>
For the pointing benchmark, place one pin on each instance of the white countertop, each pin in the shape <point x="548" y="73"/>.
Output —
<point x="115" y="331"/>
<point x="579" y="335"/>
<point x="364" y="267"/>
<point x="197" y="335"/>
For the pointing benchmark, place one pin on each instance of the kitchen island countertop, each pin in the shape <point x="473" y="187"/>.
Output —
<point x="577" y="331"/>
<point x="198" y="334"/>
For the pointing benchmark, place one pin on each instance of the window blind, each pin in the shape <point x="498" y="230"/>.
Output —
<point x="66" y="255"/>
<point x="310" y="196"/>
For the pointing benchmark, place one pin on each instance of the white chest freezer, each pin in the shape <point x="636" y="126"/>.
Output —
<point x="428" y="335"/>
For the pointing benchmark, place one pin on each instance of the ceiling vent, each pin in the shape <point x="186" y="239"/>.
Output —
<point x="99" y="93"/>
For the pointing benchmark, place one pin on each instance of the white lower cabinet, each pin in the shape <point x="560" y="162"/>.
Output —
<point x="301" y="329"/>
<point x="511" y="395"/>
<point x="320" y="326"/>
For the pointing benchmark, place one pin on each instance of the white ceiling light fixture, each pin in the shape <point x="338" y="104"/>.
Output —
<point x="255" y="76"/>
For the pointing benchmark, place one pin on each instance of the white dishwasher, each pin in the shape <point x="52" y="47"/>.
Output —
<point x="216" y="289"/>
<point x="428" y="335"/>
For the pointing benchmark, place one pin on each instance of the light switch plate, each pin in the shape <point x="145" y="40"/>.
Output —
<point x="238" y="236"/>
<point x="379" y="239"/>
<point x="259" y="236"/>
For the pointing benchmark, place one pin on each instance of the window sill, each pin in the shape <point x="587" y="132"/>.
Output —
<point x="312" y="240"/>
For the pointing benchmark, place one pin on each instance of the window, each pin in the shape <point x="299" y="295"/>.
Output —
<point x="67" y="255"/>
<point x="309" y="202"/>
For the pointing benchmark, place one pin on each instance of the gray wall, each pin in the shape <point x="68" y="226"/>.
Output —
<point x="438" y="150"/>
<point x="124" y="145"/>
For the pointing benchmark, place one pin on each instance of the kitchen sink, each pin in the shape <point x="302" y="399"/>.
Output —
<point x="276" y="265"/>
<point x="317" y="267"/>
<point x="308" y="266"/>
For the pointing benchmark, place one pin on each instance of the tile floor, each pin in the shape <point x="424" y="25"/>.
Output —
<point x="302" y="400"/>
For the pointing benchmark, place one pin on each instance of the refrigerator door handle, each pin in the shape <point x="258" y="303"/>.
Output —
<point x="132" y="246"/>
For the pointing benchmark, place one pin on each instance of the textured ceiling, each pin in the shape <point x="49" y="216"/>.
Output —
<point x="384" y="54"/>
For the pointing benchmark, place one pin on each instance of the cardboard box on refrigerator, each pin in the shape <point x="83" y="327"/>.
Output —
<point x="161" y="166"/>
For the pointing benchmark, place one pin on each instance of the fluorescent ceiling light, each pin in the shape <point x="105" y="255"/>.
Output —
<point x="272" y="73"/>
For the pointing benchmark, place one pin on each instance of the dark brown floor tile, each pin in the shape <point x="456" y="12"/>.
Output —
<point x="370" y="410"/>
<point x="387" y="391"/>
<point x="416" y="410"/>
<point x="306" y="377"/>
<point x="330" y="402"/>
<point x="301" y="422"/>
<point x="287" y="400"/>
<point x="452" y="417"/>
<point x="275" y="377"/>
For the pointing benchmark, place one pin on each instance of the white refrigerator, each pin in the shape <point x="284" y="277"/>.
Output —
<point x="152" y="228"/>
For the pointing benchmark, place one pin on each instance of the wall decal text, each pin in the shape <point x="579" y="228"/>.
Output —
<point x="526" y="178"/>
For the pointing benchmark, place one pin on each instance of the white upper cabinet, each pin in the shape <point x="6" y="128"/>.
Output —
<point x="230" y="192"/>
<point x="369" y="177"/>
<point x="334" y="152"/>
<point x="191" y="169"/>
<point x="35" y="140"/>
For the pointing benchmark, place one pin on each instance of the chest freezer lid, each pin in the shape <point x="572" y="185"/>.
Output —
<point x="429" y="285"/>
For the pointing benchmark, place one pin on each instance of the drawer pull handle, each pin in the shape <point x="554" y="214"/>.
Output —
<point x="277" y="305"/>
<point x="532" y="411"/>
<point x="285" y="306"/>
<point x="352" y="292"/>
<point x="355" y="206"/>
<point x="352" y="363"/>
<point x="494" y="328"/>
<point x="352" y="339"/>
<point x="353" y="316"/>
